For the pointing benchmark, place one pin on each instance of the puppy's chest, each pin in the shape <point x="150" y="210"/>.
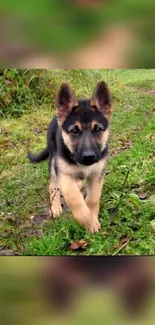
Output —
<point x="86" y="171"/>
<point x="80" y="171"/>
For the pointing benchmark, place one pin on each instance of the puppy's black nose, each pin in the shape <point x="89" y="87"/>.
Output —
<point x="88" y="157"/>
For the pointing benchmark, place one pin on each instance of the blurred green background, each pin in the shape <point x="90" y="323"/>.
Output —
<point x="62" y="27"/>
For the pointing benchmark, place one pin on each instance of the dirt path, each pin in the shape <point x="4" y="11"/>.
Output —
<point x="108" y="51"/>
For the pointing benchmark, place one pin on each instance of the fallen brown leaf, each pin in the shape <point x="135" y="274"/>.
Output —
<point x="78" y="244"/>
<point x="143" y="196"/>
<point x="8" y="252"/>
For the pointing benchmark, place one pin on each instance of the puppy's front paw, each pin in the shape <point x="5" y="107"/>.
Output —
<point x="94" y="226"/>
<point x="55" y="201"/>
<point x="56" y="209"/>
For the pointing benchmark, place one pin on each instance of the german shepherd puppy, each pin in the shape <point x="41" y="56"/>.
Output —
<point x="77" y="148"/>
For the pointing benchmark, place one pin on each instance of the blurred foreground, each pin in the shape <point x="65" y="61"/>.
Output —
<point x="77" y="34"/>
<point x="77" y="290"/>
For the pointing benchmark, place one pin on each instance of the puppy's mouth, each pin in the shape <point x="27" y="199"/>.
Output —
<point x="87" y="162"/>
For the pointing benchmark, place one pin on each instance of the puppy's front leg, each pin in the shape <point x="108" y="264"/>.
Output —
<point x="55" y="202"/>
<point x="76" y="202"/>
<point x="93" y="197"/>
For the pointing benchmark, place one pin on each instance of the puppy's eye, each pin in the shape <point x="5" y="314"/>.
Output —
<point x="97" y="129"/>
<point x="75" y="130"/>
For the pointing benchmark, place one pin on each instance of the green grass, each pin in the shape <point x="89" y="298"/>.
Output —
<point x="126" y="220"/>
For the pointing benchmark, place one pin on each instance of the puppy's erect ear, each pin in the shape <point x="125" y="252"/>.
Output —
<point x="65" y="100"/>
<point x="101" y="99"/>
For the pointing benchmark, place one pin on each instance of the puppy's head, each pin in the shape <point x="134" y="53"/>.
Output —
<point x="84" y="123"/>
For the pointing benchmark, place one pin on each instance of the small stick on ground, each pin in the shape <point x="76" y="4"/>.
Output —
<point x="2" y="169"/>
<point x="119" y="249"/>
<point x="122" y="190"/>
<point x="38" y="192"/>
